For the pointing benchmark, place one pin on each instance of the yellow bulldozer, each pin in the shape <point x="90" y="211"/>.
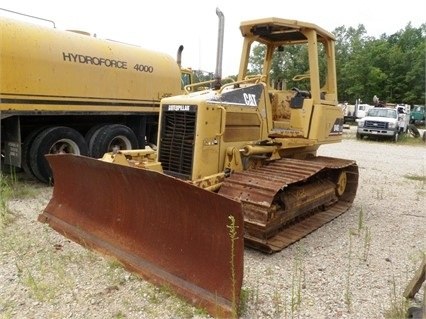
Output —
<point x="235" y="165"/>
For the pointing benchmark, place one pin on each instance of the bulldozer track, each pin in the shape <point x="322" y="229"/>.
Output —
<point x="295" y="232"/>
<point x="257" y="189"/>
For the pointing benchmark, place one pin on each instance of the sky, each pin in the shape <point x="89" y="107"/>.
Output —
<point x="163" y="25"/>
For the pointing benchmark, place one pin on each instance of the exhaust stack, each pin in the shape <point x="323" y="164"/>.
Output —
<point x="218" y="73"/>
<point x="179" y="55"/>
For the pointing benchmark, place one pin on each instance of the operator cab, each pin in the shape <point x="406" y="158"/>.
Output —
<point x="296" y="84"/>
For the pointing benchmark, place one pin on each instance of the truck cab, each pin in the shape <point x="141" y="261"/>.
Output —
<point x="418" y="114"/>
<point x="380" y="122"/>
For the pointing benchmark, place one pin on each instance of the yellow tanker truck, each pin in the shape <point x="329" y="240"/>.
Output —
<point x="69" y="92"/>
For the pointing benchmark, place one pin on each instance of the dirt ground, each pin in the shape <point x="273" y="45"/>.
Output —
<point x="356" y="266"/>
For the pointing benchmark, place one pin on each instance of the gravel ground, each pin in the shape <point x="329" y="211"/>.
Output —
<point x="357" y="266"/>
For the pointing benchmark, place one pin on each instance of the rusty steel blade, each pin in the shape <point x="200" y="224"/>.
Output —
<point x="171" y="233"/>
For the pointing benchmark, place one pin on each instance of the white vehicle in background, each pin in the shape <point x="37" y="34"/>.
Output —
<point x="380" y="122"/>
<point x="362" y="109"/>
<point x="352" y="113"/>
<point x="403" y="117"/>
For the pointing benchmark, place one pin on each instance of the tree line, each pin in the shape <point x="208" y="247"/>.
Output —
<point x="392" y="67"/>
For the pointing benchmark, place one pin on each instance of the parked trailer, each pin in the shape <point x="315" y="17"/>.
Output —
<point x="69" y="92"/>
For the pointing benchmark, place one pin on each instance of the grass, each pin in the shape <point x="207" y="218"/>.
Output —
<point x="403" y="138"/>
<point x="232" y="232"/>
<point x="49" y="271"/>
<point x="421" y="179"/>
<point x="5" y="194"/>
<point x="360" y="240"/>
<point x="362" y="237"/>
<point x="13" y="187"/>
<point x="57" y="272"/>
<point x="406" y="139"/>
<point x="421" y="188"/>
<point x="348" y="293"/>
<point x="297" y="279"/>
<point x="248" y="296"/>
<point x="283" y="302"/>
<point x="398" y="304"/>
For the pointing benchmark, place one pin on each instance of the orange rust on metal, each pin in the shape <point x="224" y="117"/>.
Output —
<point x="171" y="233"/>
<point x="269" y="226"/>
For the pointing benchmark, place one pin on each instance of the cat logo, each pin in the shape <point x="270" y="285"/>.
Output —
<point x="250" y="99"/>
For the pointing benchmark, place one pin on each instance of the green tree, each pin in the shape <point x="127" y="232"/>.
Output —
<point x="391" y="66"/>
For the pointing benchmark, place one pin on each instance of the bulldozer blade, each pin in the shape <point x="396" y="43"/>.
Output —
<point x="167" y="231"/>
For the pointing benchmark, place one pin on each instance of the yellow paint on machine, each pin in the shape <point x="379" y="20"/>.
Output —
<point x="47" y="63"/>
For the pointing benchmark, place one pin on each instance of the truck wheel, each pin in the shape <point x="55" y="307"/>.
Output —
<point x="110" y="137"/>
<point x="359" y="136"/>
<point x="395" y="137"/>
<point x="424" y="136"/>
<point x="414" y="312"/>
<point x="92" y="131"/>
<point x="54" y="140"/>
<point x="25" y="155"/>
<point x="413" y="130"/>
<point x="90" y="136"/>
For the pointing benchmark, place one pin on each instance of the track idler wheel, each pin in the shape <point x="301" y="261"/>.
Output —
<point x="342" y="182"/>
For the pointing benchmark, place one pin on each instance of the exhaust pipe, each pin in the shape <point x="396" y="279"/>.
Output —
<point x="179" y="56"/>
<point x="218" y="74"/>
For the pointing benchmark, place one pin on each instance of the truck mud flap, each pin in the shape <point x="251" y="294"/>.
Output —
<point x="167" y="231"/>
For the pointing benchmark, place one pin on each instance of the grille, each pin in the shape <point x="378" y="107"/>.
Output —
<point x="177" y="143"/>
<point x="376" y="124"/>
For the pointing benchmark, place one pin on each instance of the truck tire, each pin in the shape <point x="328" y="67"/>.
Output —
<point x="395" y="137"/>
<point x="25" y="155"/>
<point x="54" y="140"/>
<point x="92" y="131"/>
<point x="424" y="136"/>
<point x="90" y="136"/>
<point x="108" y="137"/>
<point x="414" y="313"/>
<point x="413" y="130"/>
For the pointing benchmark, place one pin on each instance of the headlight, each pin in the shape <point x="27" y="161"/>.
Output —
<point x="361" y="123"/>
<point x="392" y="125"/>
